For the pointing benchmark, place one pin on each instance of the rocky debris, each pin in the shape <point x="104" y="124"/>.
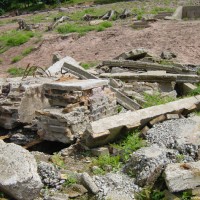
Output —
<point x="75" y="190"/>
<point x="180" y="134"/>
<point x="40" y="156"/>
<point x="182" y="176"/>
<point x="19" y="103"/>
<point x="58" y="21"/>
<point x="141" y="24"/>
<point x="163" y="15"/>
<point x="50" y="175"/>
<point x="56" y="57"/>
<point x="147" y="164"/>
<point x="100" y="151"/>
<point x="167" y="55"/>
<point x="18" y="172"/>
<point x="89" y="183"/>
<point x="108" y="129"/>
<point x="80" y="102"/>
<point x="116" y="186"/>
<point x="57" y="196"/>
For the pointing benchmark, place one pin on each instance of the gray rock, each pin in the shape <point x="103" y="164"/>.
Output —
<point x="57" y="196"/>
<point x="89" y="183"/>
<point x="18" y="172"/>
<point x="147" y="164"/>
<point x="75" y="190"/>
<point x="167" y="55"/>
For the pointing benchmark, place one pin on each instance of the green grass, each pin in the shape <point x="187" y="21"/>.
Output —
<point x="82" y="29"/>
<point x="58" y="160"/>
<point x="14" y="71"/>
<point x="129" y="144"/>
<point x="104" y="161"/>
<point x="156" y="10"/>
<point x="14" y="38"/>
<point x="16" y="59"/>
<point x="88" y="65"/>
<point x="156" y="99"/>
<point x="195" y="91"/>
<point x="27" y="51"/>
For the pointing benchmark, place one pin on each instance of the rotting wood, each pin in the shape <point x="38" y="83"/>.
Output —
<point x="121" y="98"/>
<point x="146" y="66"/>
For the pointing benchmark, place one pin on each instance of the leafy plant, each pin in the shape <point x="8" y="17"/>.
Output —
<point x="58" y="160"/>
<point x="186" y="195"/>
<point x="156" y="99"/>
<point x="148" y="194"/>
<point x="130" y="144"/>
<point x="104" y="161"/>
<point x="16" y="59"/>
<point x="71" y="179"/>
<point x="195" y="91"/>
<point x="180" y="157"/>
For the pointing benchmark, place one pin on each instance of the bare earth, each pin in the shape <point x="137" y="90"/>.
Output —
<point x="180" y="37"/>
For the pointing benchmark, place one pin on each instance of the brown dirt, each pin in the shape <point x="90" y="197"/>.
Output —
<point x="180" y="37"/>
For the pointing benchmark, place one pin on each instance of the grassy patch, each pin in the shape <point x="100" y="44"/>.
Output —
<point x="15" y="71"/>
<point x="106" y="161"/>
<point x="156" y="10"/>
<point x="82" y="29"/>
<point x="130" y="144"/>
<point x="16" y="59"/>
<point x="156" y="99"/>
<point x="58" y="160"/>
<point x="71" y="179"/>
<point x="195" y="91"/>
<point x="27" y="51"/>
<point x="14" y="38"/>
<point x="89" y="65"/>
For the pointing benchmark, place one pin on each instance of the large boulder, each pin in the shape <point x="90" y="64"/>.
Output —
<point x="18" y="172"/>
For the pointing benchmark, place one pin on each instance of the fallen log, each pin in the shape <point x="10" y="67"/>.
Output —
<point x="146" y="66"/>
<point x="149" y="77"/>
<point x="58" y="21"/>
<point x="108" y="129"/>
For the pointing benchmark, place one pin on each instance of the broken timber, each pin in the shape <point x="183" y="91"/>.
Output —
<point x="149" y="77"/>
<point x="146" y="66"/>
<point x="108" y="129"/>
<point x="121" y="98"/>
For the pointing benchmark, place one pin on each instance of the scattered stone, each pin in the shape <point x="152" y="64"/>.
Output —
<point x="56" y="57"/>
<point x="147" y="164"/>
<point x="39" y="156"/>
<point x="18" y="172"/>
<point x="57" y="196"/>
<point x="96" y="22"/>
<point x="172" y="116"/>
<point x="167" y="55"/>
<point x="182" y="176"/>
<point x="89" y="183"/>
<point x="101" y="151"/>
<point x="75" y="190"/>
<point x="50" y="175"/>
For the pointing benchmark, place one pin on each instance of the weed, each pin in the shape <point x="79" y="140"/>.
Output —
<point x="14" y="38"/>
<point x="16" y="59"/>
<point x="57" y="160"/>
<point x="82" y="29"/>
<point x="98" y="171"/>
<point x="88" y="65"/>
<point x="130" y="144"/>
<point x="195" y="91"/>
<point x="71" y="179"/>
<point x="180" y="157"/>
<point x="186" y="195"/>
<point x="15" y="71"/>
<point x="148" y="194"/>
<point x="106" y="160"/>
<point x="27" y="51"/>
<point x="156" y="99"/>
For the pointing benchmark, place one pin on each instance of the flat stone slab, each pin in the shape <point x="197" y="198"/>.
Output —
<point x="77" y="85"/>
<point x="182" y="176"/>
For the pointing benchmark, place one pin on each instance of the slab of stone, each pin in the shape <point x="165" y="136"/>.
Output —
<point x="18" y="172"/>
<point x="172" y="116"/>
<point x="101" y="151"/>
<point x="108" y="129"/>
<point x="182" y="176"/>
<point x="79" y="85"/>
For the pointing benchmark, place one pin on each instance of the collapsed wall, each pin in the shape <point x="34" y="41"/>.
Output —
<point x="73" y="105"/>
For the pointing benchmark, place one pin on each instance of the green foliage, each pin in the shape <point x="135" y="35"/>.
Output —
<point x="15" y="71"/>
<point x="1" y="195"/>
<point x="180" y="157"/>
<point x="82" y="29"/>
<point x="156" y="10"/>
<point x="14" y="38"/>
<point x="148" y="194"/>
<point x="58" y="160"/>
<point x="186" y="195"/>
<point x="130" y="144"/>
<point x="107" y="160"/>
<point x="16" y="59"/>
<point x="156" y="99"/>
<point x="98" y="171"/>
<point x="27" y="51"/>
<point x="71" y="179"/>
<point x="88" y="65"/>
<point x="195" y="91"/>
